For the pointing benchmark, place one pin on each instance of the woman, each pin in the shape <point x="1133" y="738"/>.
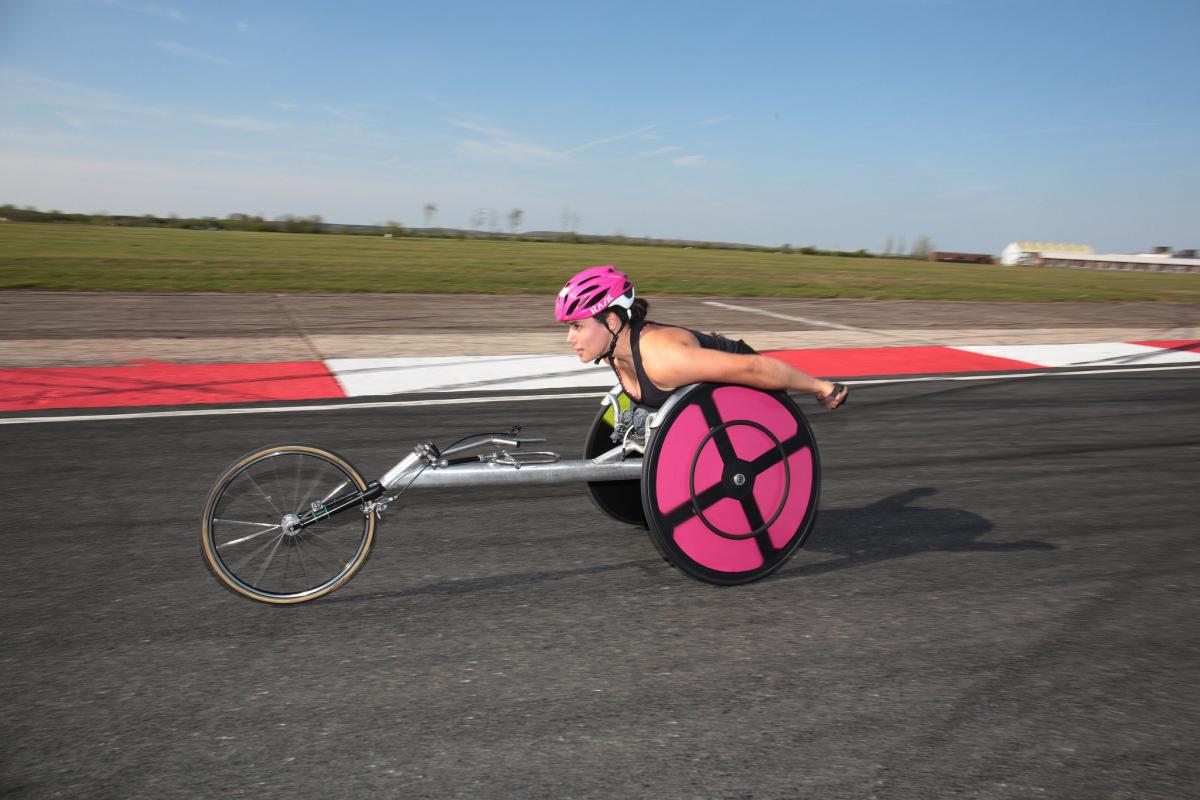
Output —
<point x="652" y="360"/>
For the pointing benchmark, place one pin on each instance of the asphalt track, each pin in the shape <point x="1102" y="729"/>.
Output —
<point x="999" y="600"/>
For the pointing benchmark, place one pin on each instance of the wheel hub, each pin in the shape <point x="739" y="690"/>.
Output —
<point x="291" y="524"/>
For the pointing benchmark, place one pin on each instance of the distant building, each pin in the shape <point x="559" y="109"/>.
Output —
<point x="1028" y="253"/>
<point x="1081" y="256"/>
<point x="962" y="258"/>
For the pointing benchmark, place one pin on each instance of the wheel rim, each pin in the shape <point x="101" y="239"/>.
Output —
<point x="730" y="483"/>
<point x="248" y="529"/>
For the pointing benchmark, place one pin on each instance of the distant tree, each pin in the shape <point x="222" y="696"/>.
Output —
<point x="430" y="210"/>
<point x="478" y="218"/>
<point x="785" y="248"/>
<point x="570" y="221"/>
<point x="493" y="221"/>
<point x="514" y="220"/>
<point x="888" y="248"/>
<point x="922" y="247"/>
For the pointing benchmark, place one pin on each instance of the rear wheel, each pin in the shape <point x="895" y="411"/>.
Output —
<point x="248" y="535"/>
<point x="621" y="500"/>
<point x="730" y="483"/>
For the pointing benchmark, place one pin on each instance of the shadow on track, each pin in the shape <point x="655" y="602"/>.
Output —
<point x="499" y="581"/>
<point x="892" y="528"/>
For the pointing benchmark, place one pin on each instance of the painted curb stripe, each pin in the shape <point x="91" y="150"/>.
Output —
<point x="865" y="361"/>
<point x="1111" y="354"/>
<point x="361" y="377"/>
<point x="158" y="384"/>
<point x="478" y="400"/>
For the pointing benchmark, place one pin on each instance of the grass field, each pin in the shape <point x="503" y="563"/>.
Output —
<point x="97" y="258"/>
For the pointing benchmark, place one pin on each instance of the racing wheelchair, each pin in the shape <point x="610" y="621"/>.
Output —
<point x="725" y="479"/>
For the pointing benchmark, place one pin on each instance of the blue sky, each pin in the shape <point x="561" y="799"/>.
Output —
<point x="836" y="124"/>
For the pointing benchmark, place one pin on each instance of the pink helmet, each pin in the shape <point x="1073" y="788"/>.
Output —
<point x="591" y="292"/>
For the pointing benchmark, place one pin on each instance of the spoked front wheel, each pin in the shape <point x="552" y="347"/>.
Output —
<point x="249" y="533"/>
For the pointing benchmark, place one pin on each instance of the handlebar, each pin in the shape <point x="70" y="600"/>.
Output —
<point x="493" y="440"/>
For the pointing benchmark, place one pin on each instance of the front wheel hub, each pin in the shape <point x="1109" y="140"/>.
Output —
<point x="290" y="524"/>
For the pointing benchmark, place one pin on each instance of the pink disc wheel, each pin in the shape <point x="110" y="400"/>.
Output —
<point x="730" y="482"/>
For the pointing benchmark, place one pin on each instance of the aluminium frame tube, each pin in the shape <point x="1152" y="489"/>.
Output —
<point x="492" y="474"/>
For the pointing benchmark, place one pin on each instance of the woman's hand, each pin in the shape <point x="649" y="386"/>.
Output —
<point x="672" y="358"/>
<point x="835" y="397"/>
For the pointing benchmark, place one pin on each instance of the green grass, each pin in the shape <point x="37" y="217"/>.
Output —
<point x="97" y="258"/>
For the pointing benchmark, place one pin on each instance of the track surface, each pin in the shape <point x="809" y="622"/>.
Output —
<point x="999" y="600"/>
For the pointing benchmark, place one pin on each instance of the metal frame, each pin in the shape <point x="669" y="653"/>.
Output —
<point x="428" y="467"/>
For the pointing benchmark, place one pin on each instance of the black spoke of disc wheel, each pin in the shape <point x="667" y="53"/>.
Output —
<point x="709" y="497"/>
<point x="712" y="418"/>
<point x="763" y="539"/>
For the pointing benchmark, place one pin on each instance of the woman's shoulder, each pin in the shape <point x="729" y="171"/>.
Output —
<point x="659" y="335"/>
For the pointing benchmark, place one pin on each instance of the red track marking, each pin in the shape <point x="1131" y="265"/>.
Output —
<point x="861" y="362"/>
<point x="154" y="383"/>
<point x="1190" y="345"/>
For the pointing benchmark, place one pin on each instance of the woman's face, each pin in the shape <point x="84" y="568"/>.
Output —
<point x="588" y="337"/>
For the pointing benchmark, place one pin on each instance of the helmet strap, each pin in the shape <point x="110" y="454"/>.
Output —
<point x="612" y="345"/>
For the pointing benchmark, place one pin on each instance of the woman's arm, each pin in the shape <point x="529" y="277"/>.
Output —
<point x="672" y="358"/>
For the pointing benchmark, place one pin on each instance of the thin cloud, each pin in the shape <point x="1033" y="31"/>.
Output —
<point x="502" y="145"/>
<point x="74" y="122"/>
<point x="689" y="161"/>
<point x="241" y="27"/>
<point x="24" y="86"/>
<point x="349" y="121"/>
<point x="398" y="163"/>
<point x="971" y="191"/>
<point x="484" y="129"/>
<point x="248" y="124"/>
<point x="1072" y="129"/>
<point x="153" y="9"/>
<point x="661" y="151"/>
<point x="228" y="155"/>
<point x="716" y="120"/>
<point x="507" y="146"/>
<point x="607" y="139"/>
<point x="511" y="151"/>
<point x="177" y="49"/>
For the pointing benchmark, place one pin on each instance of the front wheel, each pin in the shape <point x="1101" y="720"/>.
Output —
<point x="248" y="534"/>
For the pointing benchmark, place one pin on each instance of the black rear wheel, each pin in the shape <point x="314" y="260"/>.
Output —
<point x="621" y="500"/>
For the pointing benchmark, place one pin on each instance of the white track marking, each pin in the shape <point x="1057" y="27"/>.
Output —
<point x="224" y="412"/>
<point x="1112" y="354"/>
<point x="999" y="376"/>
<point x="762" y="312"/>
<point x="464" y="401"/>
<point x="360" y="377"/>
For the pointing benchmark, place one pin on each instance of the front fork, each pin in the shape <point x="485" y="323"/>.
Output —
<point x="423" y="454"/>
<point x="320" y="511"/>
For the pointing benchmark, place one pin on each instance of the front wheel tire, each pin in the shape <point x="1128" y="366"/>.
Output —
<point x="245" y="535"/>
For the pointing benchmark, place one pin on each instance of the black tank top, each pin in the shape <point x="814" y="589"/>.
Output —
<point x="652" y="396"/>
